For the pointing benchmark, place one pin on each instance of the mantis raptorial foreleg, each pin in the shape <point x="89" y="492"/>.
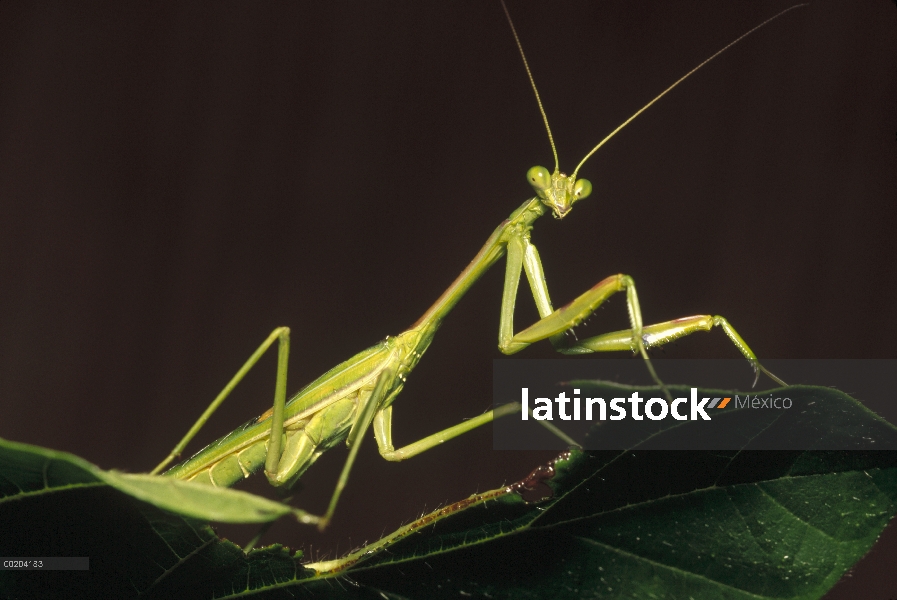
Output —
<point x="523" y="254"/>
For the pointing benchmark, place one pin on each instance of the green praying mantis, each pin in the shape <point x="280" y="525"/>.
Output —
<point x="341" y="405"/>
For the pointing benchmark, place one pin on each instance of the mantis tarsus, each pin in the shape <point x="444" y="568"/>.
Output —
<point x="341" y="404"/>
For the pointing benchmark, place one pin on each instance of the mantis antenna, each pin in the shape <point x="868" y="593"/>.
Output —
<point x="535" y="89"/>
<point x="642" y="109"/>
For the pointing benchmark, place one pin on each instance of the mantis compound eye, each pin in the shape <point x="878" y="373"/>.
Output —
<point x="539" y="178"/>
<point x="581" y="189"/>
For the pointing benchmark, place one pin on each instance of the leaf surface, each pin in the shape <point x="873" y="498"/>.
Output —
<point x="630" y="524"/>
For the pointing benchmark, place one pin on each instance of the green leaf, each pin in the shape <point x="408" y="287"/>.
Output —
<point x="632" y="524"/>
<point x="31" y="470"/>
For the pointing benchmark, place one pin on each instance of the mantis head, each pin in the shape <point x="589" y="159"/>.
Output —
<point x="558" y="191"/>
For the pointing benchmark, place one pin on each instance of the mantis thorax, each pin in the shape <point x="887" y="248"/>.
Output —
<point x="558" y="191"/>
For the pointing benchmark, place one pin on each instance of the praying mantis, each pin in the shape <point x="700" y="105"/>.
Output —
<point x="359" y="393"/>
<point x="363" y="308"/>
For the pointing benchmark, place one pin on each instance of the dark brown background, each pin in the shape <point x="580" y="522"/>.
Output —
<point x="177" y="181"/>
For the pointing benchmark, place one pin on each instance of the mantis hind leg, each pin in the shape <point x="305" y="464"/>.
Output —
<point x="281" y="334"/>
